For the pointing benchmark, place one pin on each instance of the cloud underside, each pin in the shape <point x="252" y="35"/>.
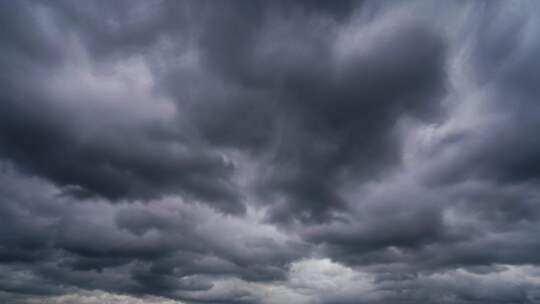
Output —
<point x="269" y="152"/>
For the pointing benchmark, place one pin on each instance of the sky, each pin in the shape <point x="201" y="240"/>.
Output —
<point x="265" y="152"/>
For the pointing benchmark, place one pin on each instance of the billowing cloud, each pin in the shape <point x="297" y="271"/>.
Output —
<point x="269" y="152"/>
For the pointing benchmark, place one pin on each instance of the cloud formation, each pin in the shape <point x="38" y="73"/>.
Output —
<point x="269" y="152"/>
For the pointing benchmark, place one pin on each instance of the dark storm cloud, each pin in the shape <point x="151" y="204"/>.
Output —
<point x="328" y="117"/>
<point x="119" y="158"/>
<point x="147" y="251"/>
<point x="502" y="147"/>
<point x="333" y="111"/>
<point x="269" y="152"/>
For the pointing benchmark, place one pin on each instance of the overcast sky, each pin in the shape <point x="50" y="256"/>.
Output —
<point x="310" y="152"/>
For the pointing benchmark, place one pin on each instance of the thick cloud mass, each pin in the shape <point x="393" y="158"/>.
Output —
<point x="269" y="152"/>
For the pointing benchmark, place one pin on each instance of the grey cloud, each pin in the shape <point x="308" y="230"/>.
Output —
<point x="91" y="245"/>
<point x="335" y="116"/>
<point x="269" y="152"/>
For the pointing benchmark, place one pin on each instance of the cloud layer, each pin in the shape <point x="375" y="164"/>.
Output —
<point x="269" y="152"/>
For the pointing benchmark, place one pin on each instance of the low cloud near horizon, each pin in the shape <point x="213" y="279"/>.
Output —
<point x="167" y="152"/>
